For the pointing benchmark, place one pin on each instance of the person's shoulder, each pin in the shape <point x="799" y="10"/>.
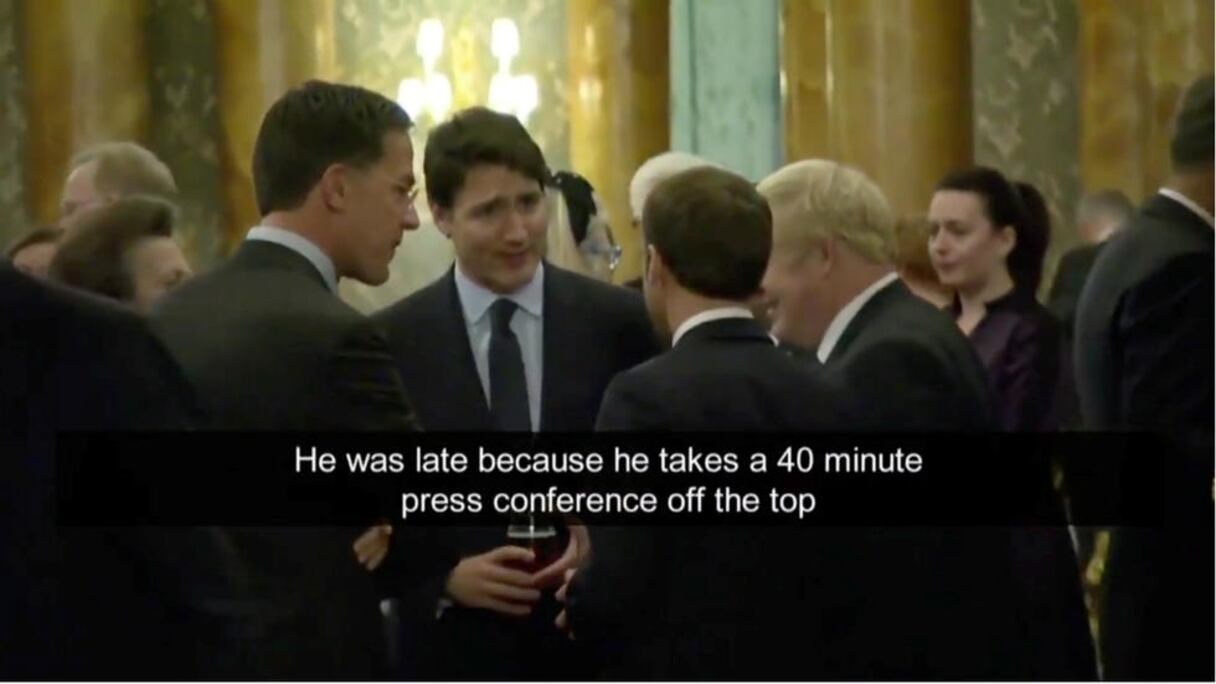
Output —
<point x="1148" y="250"/>
<point x="904" y="317"/>
<point x="1161" y="229"/>
<point x="423" y="302"/>
<point x="594" y="295"/>
<point x="65" y="309"/>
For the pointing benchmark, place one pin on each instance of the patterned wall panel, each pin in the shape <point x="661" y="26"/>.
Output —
<point x="185" y="129"/>
<point x="13" y="214"/>
<point x="1026" y="100"/>
<point x="726" y="99"/>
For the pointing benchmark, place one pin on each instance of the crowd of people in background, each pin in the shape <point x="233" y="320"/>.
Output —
<point x="798" y="302"/>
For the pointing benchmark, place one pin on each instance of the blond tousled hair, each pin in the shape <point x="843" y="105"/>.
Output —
<point x="814" y="199"/>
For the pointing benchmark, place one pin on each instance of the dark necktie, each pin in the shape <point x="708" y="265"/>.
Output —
<point x="508" y="384"/>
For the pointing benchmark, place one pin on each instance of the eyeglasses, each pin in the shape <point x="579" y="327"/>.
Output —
<point x="611" y="253"/>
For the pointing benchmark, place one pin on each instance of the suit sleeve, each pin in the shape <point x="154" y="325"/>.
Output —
<point x="367" y="390"/>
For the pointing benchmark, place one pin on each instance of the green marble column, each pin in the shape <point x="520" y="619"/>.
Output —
<point x="725" y="83"/>
<point x="1026" y="85"/>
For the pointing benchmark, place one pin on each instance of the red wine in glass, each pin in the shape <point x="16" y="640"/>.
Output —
<point x="541" y="537"/>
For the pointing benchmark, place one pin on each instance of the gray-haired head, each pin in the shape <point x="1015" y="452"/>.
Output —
<point x="1101" y="213"/>
<point x="656" y="170"/>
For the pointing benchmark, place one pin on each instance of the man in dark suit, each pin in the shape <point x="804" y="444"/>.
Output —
<point x="503" y="341"/>
<point x="1099" y="215"/>
<point x="82" y="603"/>
<point x="926" y="603"/>
<point x="268" y="345"/>
<point x="649" y="597"/>
<point x="1145" y="361"/>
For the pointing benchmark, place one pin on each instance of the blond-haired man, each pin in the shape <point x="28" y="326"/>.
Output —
<point x="908" y="368"/>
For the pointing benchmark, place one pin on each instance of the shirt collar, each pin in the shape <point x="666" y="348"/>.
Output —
<point x="846" y="314"/>
<point x="475" y="300"/>
<point x="1189" y="204"/>
<point x="302" y="246"/>
<point x="1016" y="297"/>
<point x="706" y="316"/>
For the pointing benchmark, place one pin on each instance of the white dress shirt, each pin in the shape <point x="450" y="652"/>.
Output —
<point x="707" y="316"/>
<point x="846" y="315"/>
<point x="302" y="246"/>
<point x="527" y="324"/>
<point x="1189" y="204"/>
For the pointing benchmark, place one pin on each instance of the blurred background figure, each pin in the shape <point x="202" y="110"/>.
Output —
<point x="32" y="253"/>
<point x="124" y="251"/>
<point x="1099" y="215"/>
<point x="652" y="172"/>
<point x="579" y="235"/>
<point x="111" y="171"/>
<point x="912" y="262"/>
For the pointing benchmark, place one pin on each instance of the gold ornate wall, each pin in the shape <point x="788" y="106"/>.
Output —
<point x="1137" y="56"/>
<point x="880" y="84"/>
<point x="618" y="97"/>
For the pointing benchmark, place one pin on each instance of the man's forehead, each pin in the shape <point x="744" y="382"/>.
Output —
<point x="486" y="183"/>
<point x="81" y="177"/>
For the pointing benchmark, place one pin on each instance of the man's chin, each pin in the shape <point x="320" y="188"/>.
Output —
<point x="373" y="279"/>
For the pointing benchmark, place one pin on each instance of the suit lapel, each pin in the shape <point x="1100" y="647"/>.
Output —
<point x="455" y="367"/>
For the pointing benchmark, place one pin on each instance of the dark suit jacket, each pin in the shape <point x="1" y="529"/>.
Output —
<point x="911" y="367"/>
<point x="708" y="602"/>
<point x="268" y="347"/>
<point x="1071" y="275"/>
<point x="90" y="603"/>
<point x="592" y="331"/>
<point x="1145" y="360"/>
<point x="945" y="602"/>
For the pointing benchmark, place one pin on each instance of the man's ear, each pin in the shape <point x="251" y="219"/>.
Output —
<point x="656" y="270"/>
<point x="827" y="251"/>
<point x="334" y="187"/>
<point x="442" y="218"/>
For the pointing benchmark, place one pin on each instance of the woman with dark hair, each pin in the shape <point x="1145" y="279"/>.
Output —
<point x="987" y="242"/>
<point x="124" y="251"/>
<point x="579" y="237"/>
